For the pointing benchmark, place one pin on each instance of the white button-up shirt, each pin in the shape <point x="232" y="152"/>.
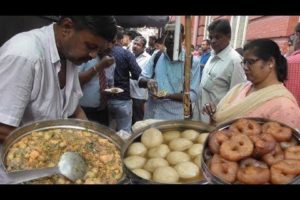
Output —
<point x="221" y="72"/>
<point x="135" y="91"/>
<point x="30" y="91"/>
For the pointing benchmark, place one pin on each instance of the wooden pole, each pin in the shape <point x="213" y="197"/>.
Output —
<point x="187" y="68"/>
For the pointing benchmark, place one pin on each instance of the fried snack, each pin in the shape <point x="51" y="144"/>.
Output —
<point x="246" y="126"/>
<point x="252" y="171"/>
<point x="236" y="148"/>
<point x="279" y="132"/>
<point x="161" y="93"/>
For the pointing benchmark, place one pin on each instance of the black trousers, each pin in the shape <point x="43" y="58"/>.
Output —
<point x="138" y="110"/>
<point x="93" y="114"/>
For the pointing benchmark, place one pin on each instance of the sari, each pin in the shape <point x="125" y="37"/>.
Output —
<point x="274" y="102"/>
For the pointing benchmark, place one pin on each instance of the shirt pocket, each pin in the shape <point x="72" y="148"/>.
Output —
<point x="209" y="84"/>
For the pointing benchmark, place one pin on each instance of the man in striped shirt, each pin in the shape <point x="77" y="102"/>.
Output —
<point x="293" y="82"/>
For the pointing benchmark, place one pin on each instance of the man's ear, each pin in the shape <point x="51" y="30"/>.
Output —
<point x="67" y="26"/>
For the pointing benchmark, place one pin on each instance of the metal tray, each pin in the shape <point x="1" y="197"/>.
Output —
<point x="92" y="127"/>
<point x="206" y="154"/>
<point x="163" y="126"/>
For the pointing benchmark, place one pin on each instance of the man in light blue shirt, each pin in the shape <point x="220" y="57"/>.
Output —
<point x="89" y="80"/>
<point x="168" y="76"/>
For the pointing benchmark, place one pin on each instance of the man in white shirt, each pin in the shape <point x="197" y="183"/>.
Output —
<point x="222" y="71"/>
<point x="139" y="95"/>
<point x="39" y="77"/>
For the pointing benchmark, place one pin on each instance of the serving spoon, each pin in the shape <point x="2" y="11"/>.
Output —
<point x="71" y="165"/>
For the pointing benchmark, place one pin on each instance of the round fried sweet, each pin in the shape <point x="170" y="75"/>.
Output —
<point x="279" y="132"/>
<point x="252" y="171"/>
<point x="236" y="148"/>
<point x="246" y="126"/>
<point x="224" y="169"/>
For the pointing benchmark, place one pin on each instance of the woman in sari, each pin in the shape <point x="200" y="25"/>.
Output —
<point x="264" y="94"/>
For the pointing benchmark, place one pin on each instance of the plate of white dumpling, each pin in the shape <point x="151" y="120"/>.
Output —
<point x="171" y="156"/>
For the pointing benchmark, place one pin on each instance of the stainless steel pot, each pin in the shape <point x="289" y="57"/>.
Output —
<point x="207" y="154"/>
<point x="163" y="126"/>
<point x="92" y="127"/>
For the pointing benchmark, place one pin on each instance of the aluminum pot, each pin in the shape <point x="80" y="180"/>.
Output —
<point x="207" y="154"/>
<point x="179" y="125"/>
<point x="77" y="124"/>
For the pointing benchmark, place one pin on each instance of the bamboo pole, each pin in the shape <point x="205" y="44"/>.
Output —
<point x="187" y="68"/>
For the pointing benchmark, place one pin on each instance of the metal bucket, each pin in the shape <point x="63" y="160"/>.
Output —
<point x="207" y="154"/>
<point x="89" y="126"/>
<point x="163" y="126"/>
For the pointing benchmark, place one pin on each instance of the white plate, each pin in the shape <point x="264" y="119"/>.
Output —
<point x="114" y="90"/>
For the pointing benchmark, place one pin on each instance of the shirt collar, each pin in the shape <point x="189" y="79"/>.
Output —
<point x="52" y="43"/>
<point x="222" y="54"/>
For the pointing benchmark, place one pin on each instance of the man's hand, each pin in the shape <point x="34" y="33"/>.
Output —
<point x="105" y="62"/>
<point x="152" y="86"/>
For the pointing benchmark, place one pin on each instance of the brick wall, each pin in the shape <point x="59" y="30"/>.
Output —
<point x="277" y="28"/>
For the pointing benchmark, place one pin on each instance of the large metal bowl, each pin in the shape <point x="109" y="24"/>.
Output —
<point x="163" y="126"/>
<point x="92" y="127"/>
<point x="207" y="154"/>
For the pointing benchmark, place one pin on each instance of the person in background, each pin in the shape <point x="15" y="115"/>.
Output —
<point x="151" y="44"/>
<point x="94" y="102"/>
<point x="167" y="77"/>
<point x="128" y="36"/>
<point x="290" y="48"/>
<point x="205" y="53"/>
<point x="264" y="95"/>
<point x="159" y="45"/>
<point x="39" y="73"/>
<point x="120" y="104"/>
<point x="197" y="53"/>
<point x="293" y="82"/>
<point x="139" y="95"/>
<point x="222" y="71"/>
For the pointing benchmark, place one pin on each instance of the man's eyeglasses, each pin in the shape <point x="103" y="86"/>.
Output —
<point x="249" y="62"/>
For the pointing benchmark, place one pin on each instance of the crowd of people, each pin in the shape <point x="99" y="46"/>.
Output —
<point x="41" y="80"/>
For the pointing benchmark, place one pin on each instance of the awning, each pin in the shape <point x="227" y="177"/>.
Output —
<point x="141" y="21"/>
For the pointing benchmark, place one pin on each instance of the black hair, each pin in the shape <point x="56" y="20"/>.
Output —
<point x="153" y="37"/>
<point x="142" y="39"/>
<point x="132" y="34"/>
<point x="207" y="41"/>
<point x="240" y="51"/>
<point x="297" y="28"/>
<point x="220" y="26"/>
<point x="104" y="26"/>
<point x="120" y="34"/>
<point x="265" y="49"/>
<point x="159" y="40"/>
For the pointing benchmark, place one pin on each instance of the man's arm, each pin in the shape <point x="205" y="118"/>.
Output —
<point x="5" y="130"/>
<point x="175" y="97"/>
<point x="79" y="114"/>
<point x="143" y="82"/>
<point x="86" y="76"/>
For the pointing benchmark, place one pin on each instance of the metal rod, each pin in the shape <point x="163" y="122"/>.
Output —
<point x="187" y="68"/>
<point x="176" y="38"/>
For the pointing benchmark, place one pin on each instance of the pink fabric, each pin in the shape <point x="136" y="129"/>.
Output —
<point x="293" y="82"/>
<point x="280" y="109"/>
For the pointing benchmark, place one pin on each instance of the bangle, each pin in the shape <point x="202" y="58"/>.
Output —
<point x="95" y="69"/>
